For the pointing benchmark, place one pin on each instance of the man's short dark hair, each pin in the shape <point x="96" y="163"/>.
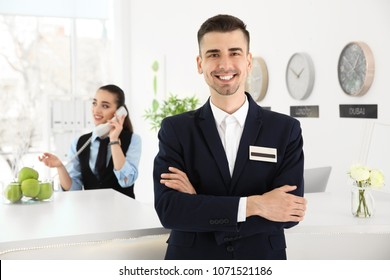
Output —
<point x="222" y="23"/>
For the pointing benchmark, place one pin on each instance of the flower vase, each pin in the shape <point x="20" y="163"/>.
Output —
<point x="363" y="204"/>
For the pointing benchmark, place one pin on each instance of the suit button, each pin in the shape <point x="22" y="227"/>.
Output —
<point x="230" y="249"/>
<point x="219" y="221"/>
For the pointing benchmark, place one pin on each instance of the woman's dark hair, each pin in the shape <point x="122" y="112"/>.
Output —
<point x="222" y="23"/>
<point x="120" y="101"/>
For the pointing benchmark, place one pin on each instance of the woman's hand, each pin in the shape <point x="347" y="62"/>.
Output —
<point x="117" y="127"/>
<point x="50" y="160"/>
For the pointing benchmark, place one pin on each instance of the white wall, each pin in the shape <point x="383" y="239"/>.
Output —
<point x="166" y="30"/>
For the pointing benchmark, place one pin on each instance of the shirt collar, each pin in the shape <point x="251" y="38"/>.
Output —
<point x="240" y="114"/>
<point x="94" y="136"/>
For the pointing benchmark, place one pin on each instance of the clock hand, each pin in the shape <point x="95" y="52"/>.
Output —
<point x="347" y="61"/>
<point x="301" y="72"/>
<point x="292" y="70"/>
<point x="356" y="61"/>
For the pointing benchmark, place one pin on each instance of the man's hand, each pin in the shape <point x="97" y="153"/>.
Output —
<point x="177" y="180"/>
<point x="277" y="205"/>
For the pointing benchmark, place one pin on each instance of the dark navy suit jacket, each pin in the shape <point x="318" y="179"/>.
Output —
<point x="204" y="226"/>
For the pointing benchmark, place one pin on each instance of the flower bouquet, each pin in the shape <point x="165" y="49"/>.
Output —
<point x="364" y="180"/>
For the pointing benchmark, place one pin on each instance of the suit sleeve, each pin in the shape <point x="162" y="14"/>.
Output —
<point x="181" y="211"/>
<point x="218" y="214"/>
<point x="290" y="171"/>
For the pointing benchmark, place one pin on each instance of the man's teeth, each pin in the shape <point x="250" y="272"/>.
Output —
<point x="226" y="78"/>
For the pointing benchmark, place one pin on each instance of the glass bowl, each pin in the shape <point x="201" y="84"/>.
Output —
<point x="32" y="192"/>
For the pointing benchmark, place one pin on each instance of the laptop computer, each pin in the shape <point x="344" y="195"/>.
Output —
<point x="316" y="179"/>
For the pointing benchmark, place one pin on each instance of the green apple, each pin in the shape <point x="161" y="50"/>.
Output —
<point x="27" y="173"/>
<point x="45" y="191"/>
<point x="13" y="192"/>
<point x="30" y="187"/>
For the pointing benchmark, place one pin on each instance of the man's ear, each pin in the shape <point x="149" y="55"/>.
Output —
<point x="249" y="57"/>
<point x="199" y="64"/>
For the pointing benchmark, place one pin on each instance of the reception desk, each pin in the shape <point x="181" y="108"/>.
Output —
<point x="79" y="224"/>
<point x="104" y="224"/>
<point x="330" y="231"/>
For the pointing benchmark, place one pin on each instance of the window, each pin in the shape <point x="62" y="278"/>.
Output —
<point x="44" y="59"/>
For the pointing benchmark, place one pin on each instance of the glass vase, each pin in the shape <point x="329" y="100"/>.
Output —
<point x="362" y="202"/>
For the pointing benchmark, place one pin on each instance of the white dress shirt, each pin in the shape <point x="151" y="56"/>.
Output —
<point x="230" y="128"/>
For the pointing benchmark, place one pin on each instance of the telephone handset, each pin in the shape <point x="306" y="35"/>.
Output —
<point x="102" y="129"/>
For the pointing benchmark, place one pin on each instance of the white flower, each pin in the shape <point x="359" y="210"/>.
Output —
<point x="377" y="179"/>
<point x="366" y="177"/>
<point x="359" y="173"/>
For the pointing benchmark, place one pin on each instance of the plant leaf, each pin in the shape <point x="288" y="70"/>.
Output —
<point x="155" y="66"/>
<point x="171" y="106"/>
<point x="155" y="85"/>
<point x="155" y="105"/>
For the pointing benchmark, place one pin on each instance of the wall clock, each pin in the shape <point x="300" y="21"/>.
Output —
<point x="300" y="75"/>
<point x="356" y="68"/>
<point x="257" y="80"/>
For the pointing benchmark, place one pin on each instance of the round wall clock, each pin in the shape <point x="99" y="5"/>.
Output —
<point x="257" y="80"/>
<point x="356" y="68"/>
<point x="300" y="76"/>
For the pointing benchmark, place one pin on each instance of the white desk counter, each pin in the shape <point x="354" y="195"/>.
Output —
<point x="104" y="224"/>
<point x="329" y="231"/>
<point x="74" y="218"/>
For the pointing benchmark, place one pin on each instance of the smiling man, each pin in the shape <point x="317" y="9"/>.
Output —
<point x="228" y="177"/>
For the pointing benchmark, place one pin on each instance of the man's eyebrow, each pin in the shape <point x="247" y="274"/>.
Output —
<point x="235" y="49"/>
<point x="213" y="51"/>
<point x="230" y="50"/>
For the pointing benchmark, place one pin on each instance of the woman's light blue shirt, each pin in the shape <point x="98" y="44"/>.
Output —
<point x="126" y="175"/>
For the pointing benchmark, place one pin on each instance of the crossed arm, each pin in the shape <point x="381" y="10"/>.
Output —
<point x="277" y="205"/>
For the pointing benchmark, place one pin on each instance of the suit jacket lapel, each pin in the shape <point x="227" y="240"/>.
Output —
<point x="250" y="133"/>
<point x="211" y="136"/>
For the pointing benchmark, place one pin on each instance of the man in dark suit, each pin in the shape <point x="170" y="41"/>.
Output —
<point x="228" y="177"/>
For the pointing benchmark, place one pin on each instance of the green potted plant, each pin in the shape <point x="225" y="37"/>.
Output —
<point x="171" y="106"/>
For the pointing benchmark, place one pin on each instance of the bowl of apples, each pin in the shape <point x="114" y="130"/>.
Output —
<point x="27" y="188"/>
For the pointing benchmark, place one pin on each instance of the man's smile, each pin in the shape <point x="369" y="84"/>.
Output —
<point x="226" y="78"/>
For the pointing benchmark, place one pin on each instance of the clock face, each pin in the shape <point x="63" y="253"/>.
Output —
<point x="356" y="68"/>
<point x="300" y="76"/>
<point x="257" y="80"/>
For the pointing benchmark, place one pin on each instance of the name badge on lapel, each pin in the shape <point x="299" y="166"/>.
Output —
<point x="262" y="154"/>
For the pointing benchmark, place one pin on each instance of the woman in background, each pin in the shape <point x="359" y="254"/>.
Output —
<point x="109" y="161"/>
